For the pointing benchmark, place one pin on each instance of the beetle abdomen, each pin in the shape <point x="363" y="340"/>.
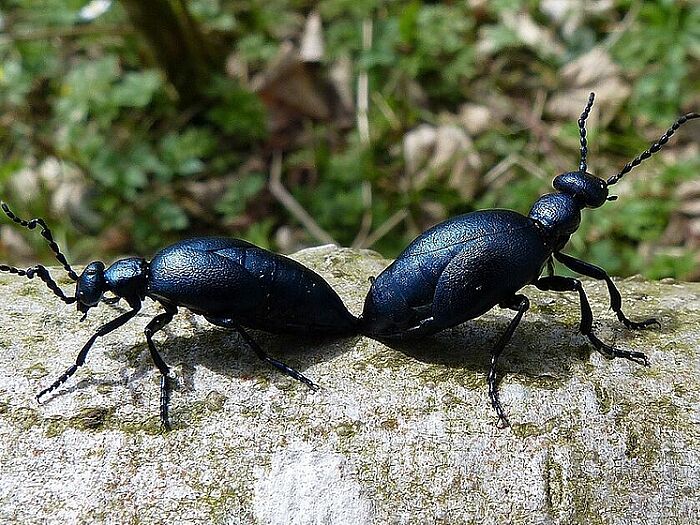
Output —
<point x="224" y="277"/>
<point x="488" y="271"/>
<point x="455" y="271"/>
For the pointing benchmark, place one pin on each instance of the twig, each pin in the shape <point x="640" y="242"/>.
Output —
<point x="532" y="168"/>
<point x="495" y="173"/>
<point x="538" y="109"/>
<point x="386" y="110"/>
<point x="623" y="26"/>
<point x="363" y="86"/>
<point x="291" y="204"/>
<point x="385" y="228"/>
<point x="65" y="32"/>
<point x="363" y="130"/>
<point x="367" y="217"/>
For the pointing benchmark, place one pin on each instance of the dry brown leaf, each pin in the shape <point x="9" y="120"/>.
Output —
<point x="570" y="15"/>
<point x="590" y="68"/>
<point x="432" y="212"/>
<point x="475" y="118"/>
<point x="288" y="87"/>
<point x="13" y="242"/>
<point x="532" y="34"/>
<point x="312" y="47"/>
<point x="442" y="152"/>
<point x="595" y="72"/>
<point x="417" y="146"/>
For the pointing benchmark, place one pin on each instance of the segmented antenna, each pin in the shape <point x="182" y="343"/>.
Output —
<point x="42" y="273"/>
<point x="582" y="128"/>
<point x="46" y="234"/>
<point x="656" y="146"/>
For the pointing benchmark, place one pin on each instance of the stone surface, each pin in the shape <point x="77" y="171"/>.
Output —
<point x="395" y="435"/>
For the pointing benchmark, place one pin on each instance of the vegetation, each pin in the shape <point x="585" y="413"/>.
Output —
<point x="130" y="124"/>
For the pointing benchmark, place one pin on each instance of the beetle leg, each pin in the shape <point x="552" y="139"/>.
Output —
<point x="230" y="323"/>
<point x="520" y="303"/>
<point x="559" y="283"/>
<point x="80" y="360"/>
<point x="590" y="270"/>
<point x="156" y="324"/>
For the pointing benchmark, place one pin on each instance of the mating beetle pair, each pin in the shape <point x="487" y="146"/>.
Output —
<point x="453" y="272"/>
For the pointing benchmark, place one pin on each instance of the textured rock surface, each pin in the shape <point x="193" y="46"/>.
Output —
<point x="396" y="435"/>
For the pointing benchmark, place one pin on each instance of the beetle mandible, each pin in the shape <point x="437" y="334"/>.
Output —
<point x="231" y="282"/>
<point x="463" y="267"/>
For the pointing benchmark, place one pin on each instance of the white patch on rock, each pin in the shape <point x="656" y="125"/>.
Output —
<point x="309" y="487"/>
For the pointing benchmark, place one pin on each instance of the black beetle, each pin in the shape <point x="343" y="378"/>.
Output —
<point x="463" y="267"/>
<point x="231" y="282"/>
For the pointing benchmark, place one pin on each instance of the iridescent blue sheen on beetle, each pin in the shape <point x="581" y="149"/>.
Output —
<point x="463" y="267"/>
<point x="232" y="283"/>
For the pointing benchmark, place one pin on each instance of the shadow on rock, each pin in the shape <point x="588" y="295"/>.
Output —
<point x="225" y="352"/>
<point x="537" y="349"/>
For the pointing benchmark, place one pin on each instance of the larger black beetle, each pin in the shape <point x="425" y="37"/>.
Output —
<point x="231" y="282"/>
<point x="463" y="267"/>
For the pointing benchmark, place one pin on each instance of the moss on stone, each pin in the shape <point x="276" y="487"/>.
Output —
<point x="91" y="418"/>
<point x="410" y="429"/>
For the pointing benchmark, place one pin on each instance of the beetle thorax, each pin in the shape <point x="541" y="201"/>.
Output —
<point x="127" y="278"/>
<point x="559" y="215"/>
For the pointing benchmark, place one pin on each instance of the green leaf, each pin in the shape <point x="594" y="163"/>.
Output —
<point x="239" y="193"/>
<point x="184" y="152"/>
<point x="169" y="215"/>
<point x="239" y="113"/>
<point x="136" y="89"/>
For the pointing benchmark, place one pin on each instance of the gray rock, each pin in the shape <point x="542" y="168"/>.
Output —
<point x="395" y="435"/>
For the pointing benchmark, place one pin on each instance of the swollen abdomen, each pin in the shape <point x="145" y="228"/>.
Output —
<point x="230" y="278"/>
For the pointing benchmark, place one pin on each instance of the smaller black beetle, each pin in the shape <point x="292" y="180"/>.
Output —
<point x="231" y="282"/>
<point x="463" y="267"/>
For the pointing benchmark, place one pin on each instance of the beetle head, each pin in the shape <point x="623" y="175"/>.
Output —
<point x="588" y="190"/>
<point x="90" y="287"/>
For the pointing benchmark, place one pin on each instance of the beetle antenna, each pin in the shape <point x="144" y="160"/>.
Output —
<point x="656" y="146"/>
<point x="582" y="129"/>
<point x="42" y="273"/>
<point x="46" y="234"/>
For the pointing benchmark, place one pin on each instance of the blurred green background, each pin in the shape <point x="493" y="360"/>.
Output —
<point x="128" y="125"/>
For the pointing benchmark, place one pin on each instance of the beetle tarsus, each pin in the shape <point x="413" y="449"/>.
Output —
<point x="521" y="304"/>
<point x="164" y="401"/>
<point x="288" y="370"/>
<point x="560" y="283"/>
<point x="591" y="270"/>
<point x="640" y="325"/>
<point x="156" y="324"/>
<point x="62" y="379"/>
<point x="279" y="365"/>
<point x="80" y="360"/>
<point x="611" y="352"/>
